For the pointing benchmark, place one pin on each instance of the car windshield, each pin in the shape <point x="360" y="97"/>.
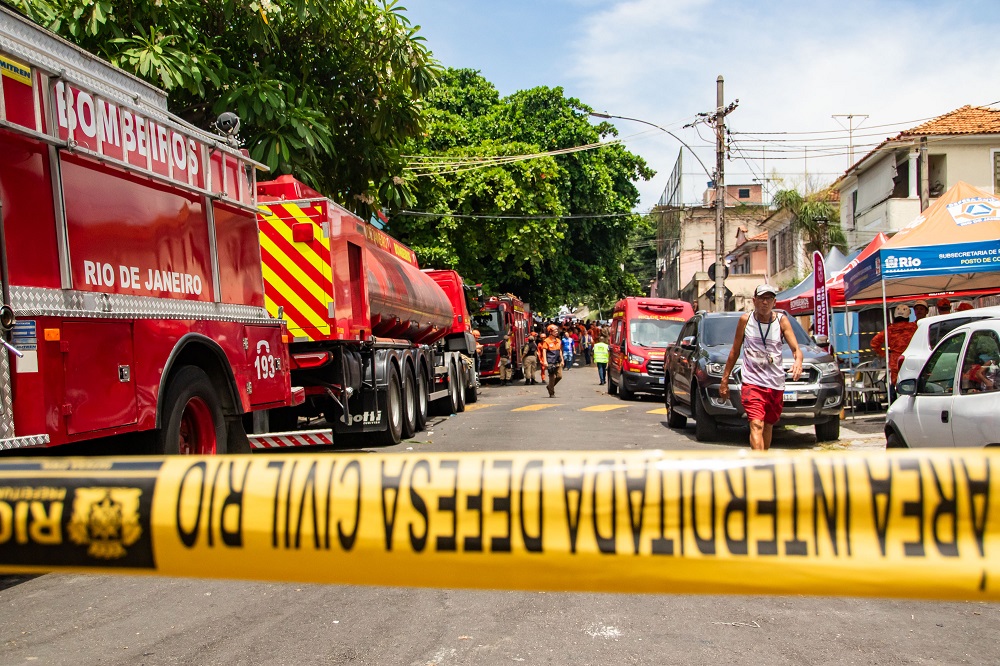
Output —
<point x="654" y="332"/>
<point x="722" y="331"/>
<point x="487" y="322"/>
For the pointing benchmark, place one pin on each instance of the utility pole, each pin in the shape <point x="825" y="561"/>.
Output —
<point x="850" y="130"/>
<point x="925" y="190"/>
<point x="721" y="111"/>
<point x="720" y="197"/>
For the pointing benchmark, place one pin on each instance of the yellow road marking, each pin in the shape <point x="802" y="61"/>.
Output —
<point x="478" y="405"/>
<point x="602" y="408"/>
<point x="661" y="410"/>
<point x="534" y="408"/>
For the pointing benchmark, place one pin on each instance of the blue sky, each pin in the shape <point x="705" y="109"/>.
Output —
<point x="791" y="64"/>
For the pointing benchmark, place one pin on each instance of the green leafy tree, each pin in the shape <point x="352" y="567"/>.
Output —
<point x="574" y="209"/>
<point x="328" y="90"/>
<point x="816" y="217"/>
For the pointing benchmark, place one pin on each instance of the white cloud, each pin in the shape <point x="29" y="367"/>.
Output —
<point x="792" y="65"/>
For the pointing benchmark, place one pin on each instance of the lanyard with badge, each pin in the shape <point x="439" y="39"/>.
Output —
<point x="764" y="336"/>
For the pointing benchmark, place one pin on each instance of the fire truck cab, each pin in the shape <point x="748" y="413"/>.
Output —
<point x="133" y="300"/>
<point x="499" y="317"/>
<point x="641" y="329"/>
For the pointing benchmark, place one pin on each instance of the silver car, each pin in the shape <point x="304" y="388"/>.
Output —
<point x="929" y="332"/>
<point x="955" y="398"/>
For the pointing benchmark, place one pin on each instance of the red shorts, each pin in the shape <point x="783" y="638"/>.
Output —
<point x="762" y="404"/>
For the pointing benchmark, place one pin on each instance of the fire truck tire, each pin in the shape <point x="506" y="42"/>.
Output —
<point x="411" y="400"/>
<point x="423" y="405"/>
<point x="612" y="387"/>
<point x="393" y="411"/>
<point x="460" y="374"/>
<point x="624" y="393"/>
<point x="193" y="422"/>
<point x="471" y="393"/>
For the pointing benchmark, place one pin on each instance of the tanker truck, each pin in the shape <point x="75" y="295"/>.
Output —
<point x="375" y="343"/>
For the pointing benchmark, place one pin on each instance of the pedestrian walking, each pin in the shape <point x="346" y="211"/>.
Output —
<point x="550" y="353"/>
<point x="586" y="345"/>
<point x="900" y="332"/>
<point x="567" y="349"/>
<point x="529" y="357"/>
<point x="601" y="353"/>
<point x="758" y="337"/>
<point x="479" y="353"/>
<point x="504" y="352"/>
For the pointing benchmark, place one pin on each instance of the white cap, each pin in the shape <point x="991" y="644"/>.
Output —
<point x="764" y="289"/>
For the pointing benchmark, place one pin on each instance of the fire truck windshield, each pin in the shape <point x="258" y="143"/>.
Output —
<point x="654" y="332"/>
<point x="488" y="323"/>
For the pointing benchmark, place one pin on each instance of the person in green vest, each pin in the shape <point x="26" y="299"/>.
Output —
<point x="601" y="351"/>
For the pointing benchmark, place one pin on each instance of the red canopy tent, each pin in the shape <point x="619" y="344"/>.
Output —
<point x="805" y="303"/>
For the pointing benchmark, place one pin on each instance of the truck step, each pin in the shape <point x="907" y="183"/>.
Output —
<point x="282" y="440"/>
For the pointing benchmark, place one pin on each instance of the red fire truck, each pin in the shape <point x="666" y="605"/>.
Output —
<point x="129" y="262"/>
<point x="499" y="317"/>
<point x="376" y="342"/>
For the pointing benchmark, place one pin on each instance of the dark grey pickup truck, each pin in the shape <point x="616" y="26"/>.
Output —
<point x="694" y="366"/>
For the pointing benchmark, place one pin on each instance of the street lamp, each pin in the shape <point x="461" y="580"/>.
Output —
<point x="720" y="297"/>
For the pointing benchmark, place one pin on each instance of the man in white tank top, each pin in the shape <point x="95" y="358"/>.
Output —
<point x="758" y="336"/>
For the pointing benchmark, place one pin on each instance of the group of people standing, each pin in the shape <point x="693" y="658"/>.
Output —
<point x="554" y="348"/>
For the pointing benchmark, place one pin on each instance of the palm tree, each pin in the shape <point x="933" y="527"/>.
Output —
<point x="815" y="217"/>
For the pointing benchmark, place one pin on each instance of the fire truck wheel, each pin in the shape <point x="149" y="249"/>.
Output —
<point x="612" y="387"/>
<point x="453" y="388"/>
<point x="193" y="423"/>
<point x="471" y="394"/>
<point x="393" y="411"/>
<point x="410" y="404"/>
<point x="423" y="405"/>
<point x="460" y="374"/>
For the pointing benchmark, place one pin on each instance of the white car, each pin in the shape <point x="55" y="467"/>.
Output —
<point x="955" y="398"/>
<point x="929" y="332"/>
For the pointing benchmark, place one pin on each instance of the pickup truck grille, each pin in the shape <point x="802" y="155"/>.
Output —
<point x="654" y="368"/>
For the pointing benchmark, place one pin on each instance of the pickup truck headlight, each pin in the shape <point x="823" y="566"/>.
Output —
<point x="828" y="369"/>
<point x="715" y="369"/>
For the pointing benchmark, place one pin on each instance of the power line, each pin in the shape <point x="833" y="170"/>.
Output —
<point x="464" y="216"/>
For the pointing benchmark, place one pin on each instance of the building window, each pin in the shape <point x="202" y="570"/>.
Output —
<point x="996" y="171"/>
<point x="744" y="193"/>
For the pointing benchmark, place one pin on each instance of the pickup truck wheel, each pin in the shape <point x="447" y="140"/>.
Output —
<point x="193" y="423"/>
<point x="393" y="411"/>
<point x="828" y="431"/>
<point x="612" y="387"/>
<point x="674" y="420"/>
<point x="410" y="405"/>
<point x="894" y="441"/>
<point x="705" y="428"/>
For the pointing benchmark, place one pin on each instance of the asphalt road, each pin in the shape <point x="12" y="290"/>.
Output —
<point x="72" y="619"/>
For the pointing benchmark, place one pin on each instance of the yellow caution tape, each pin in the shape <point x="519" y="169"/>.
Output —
<point x="898" y="523"/>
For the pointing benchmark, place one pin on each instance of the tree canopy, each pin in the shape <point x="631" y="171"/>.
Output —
<point x="816" y="217"/>
<point x="551" y="229"/>
<point x="344" y="95"/>
<point x="328" y="90"/>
